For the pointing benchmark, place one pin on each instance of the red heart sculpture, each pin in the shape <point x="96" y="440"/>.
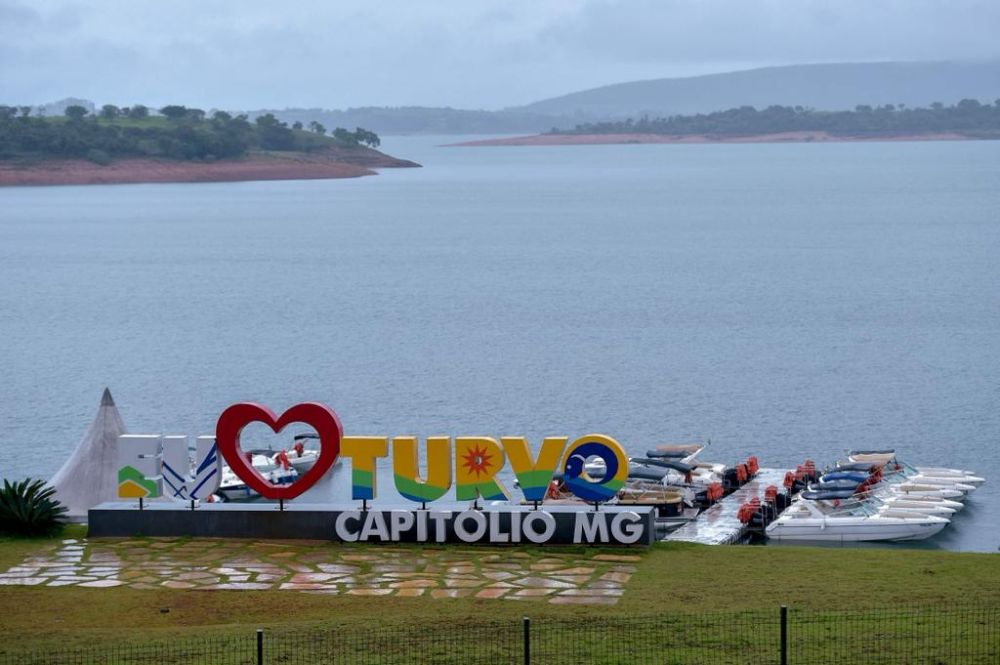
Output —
<point x="321" y="418"/>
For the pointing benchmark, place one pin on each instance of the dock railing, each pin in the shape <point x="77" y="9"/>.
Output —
<point x="778" y="636"/>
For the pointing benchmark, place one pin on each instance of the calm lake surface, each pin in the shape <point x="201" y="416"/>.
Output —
<point x="789" y="301"/>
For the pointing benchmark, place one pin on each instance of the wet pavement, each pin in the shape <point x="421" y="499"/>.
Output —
<point x="596" y="577"/>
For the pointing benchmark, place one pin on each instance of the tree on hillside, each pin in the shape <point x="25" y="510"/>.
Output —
<point x="320" y="129"/>
<point x="110" y="111"/>
<point x="76" y="112"/>
<point x="274" y="134"/>
<point x="370" y="139"/>
<point x="344" y="136"/>
<point x="138" y="112"/>
<point x="174" y="111"/>
<point x="297" y="125"/>
<point x="195" y="114"/>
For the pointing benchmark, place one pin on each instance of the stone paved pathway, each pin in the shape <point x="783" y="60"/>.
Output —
<point x="596" y="577"/>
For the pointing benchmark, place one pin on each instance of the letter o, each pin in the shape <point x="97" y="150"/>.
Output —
<point x="529" y="530"/>
<point x="574" y="467"/>
<point x="463" y="533"/>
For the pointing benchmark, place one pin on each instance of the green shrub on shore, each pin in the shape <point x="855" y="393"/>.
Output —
<point x="29" y="508"/>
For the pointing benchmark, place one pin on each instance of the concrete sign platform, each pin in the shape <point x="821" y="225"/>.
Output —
<point x="492" y="525"/>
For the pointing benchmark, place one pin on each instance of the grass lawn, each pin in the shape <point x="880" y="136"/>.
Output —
<point x="672" y="584"/>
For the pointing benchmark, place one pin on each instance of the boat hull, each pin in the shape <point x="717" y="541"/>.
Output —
<point x="874" y="531"/>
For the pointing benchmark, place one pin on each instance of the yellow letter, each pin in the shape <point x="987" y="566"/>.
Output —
<point x="477" y="460"/>
<point x="363" y="451"/>
<point x="533" y="476"/>
<point x="406" y="475"/>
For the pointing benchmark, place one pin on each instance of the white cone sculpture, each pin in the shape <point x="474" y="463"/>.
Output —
<point x="90" y="475"/>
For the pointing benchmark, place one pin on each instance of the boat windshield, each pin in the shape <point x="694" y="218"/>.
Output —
<point x="263" y="463"/>
<point x="862" y="508"/>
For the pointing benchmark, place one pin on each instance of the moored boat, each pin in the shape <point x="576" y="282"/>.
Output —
<point x="813" y="517"/>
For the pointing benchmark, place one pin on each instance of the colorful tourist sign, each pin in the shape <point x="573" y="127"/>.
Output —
<point x="151" y="466"/>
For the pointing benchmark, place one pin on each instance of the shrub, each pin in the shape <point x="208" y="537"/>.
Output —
<point x="98" y="156"/>
<point x="28" y="508"/>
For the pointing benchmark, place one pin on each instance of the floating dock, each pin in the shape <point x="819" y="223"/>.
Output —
<point x="719" y="525"/>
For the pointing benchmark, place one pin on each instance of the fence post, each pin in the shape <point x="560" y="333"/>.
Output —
<point x="260" y="646"/>
<point x="527" y="641"/>
<point x="784" y="635"/>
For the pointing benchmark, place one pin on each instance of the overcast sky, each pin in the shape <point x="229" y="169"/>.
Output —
<point x="243" y="54"/>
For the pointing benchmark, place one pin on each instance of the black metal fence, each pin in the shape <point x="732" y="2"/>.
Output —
<point x="890" y="636"/>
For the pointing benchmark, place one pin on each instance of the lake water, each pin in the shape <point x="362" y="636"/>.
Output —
<point x="790" y="301"/>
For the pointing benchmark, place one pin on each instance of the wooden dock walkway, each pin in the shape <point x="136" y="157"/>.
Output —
<point x="718" y="525"/>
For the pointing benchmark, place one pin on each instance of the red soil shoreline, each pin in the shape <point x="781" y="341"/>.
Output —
<point x="334" y="163"/>
<point x="617" y="139"/>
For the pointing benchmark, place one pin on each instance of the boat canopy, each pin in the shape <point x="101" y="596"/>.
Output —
<point x="668" y="464"/>
<point x="860" y="477"/>
<point x="639" y="472"/>
<point x="835" y="485"/>
<point x="886" y="451"/>
<point x="827" y="495"/>
<point x="659" y="454"/>
<point x="311" y="435"/>
<point x="269" y="452"/>
<point x="856" y="466"/>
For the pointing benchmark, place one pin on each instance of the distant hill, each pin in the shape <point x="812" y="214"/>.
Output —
<point x="825" y="87"/>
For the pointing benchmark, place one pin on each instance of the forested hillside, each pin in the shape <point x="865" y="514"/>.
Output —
<point x="968" y="117"/>
<point x="177" y="132"/>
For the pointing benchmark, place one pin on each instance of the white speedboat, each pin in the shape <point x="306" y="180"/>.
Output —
<point x="678" y="460"/>
<point x="304" y="452"/>
<point x="846" y="498"/>
<point x="888" y="459"/>
<point x="232" y="487"/>
<point x="682" y="452"/>
<point x="673" y="508"/>
<point x="955" y="506"/>
<point x="818" y="520"/>
<point x="926" y="491"/>
<point x="920" y="507"/>
<point x="901" y="485"/>
<point x="892" y="478"/>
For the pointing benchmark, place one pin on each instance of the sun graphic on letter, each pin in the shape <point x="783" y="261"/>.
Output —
<point x="477" y="461"/>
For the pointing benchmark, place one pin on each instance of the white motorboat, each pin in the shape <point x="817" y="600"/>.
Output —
<point x="677" y="459"/>
<point x="845" y="497"/>
<point x="673" y="508"/>
<point x="955" y="506"/>
<point x="926" y="491"/>
<point x="818" y="520"/>
<point x="682" y="452"/>
<point x="888" y="459"/>
<point x="902" y="503"/>
<point x="903" y="486"/>
<point x="232" y="487"/>
<point x="304" y="452"/>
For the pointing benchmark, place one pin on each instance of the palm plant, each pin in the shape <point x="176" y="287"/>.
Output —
<point x="28" y="508"/>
